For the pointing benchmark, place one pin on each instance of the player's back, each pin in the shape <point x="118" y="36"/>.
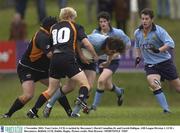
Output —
<point x="97" y="40"/>
<point x="64" y="36"/>
<point x="35" y="56"/>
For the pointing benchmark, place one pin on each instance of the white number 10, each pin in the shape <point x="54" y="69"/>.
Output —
<point x="61" y="36"/>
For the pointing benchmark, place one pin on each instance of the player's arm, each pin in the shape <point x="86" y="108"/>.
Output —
<point x="164" y="48"/>
<point x="109" y="59"/>
<point x="44" y="43"/>
<point x="81" y="55"/>
<point x="137" y="49"/>
<point x="90" y="48"/>
<point x="83" y="38"/>
<point x="138" y="56"/>
<point x="166" y="39"/>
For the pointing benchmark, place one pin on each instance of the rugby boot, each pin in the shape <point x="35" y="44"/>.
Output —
<point x="32" y="115"/>
<point x="120" y="98"/>
<point x="75" y="115"/>
<point x="47" y="111"/>
<point x="4" y="116"/>
<point x="83" y="105"/>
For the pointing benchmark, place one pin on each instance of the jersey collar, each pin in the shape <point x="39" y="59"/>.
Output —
<point x="153" y="27"/>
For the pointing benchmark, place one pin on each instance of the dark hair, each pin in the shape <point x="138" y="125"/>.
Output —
<point x="104" y="15"/>
<point x="114" y="43"/>
<point x="47" y="22"/>
<point x="148" y="11"/>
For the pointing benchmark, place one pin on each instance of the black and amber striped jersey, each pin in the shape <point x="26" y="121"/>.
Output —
<point x="35" y="55"/>
<point x="65" y="35"/>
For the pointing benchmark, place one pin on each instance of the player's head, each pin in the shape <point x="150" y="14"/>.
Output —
<point x="47" y="22"/>
<point x="149" y="12"/>
<point x="104" y="20"/>
<point x="67" y="13"/>
<point x="113" y="45"/>
<point x="147" y="16"/>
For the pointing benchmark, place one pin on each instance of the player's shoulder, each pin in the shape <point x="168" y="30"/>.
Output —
<point x="41" y="34"/>
<point x="97" y="36"/>
<point x="117" y="30"/>
<point x="78" y="26"/>
<point x="137" y="31"/>
<point x="159" y="28"/>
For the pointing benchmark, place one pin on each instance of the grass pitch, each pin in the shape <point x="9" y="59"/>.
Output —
<point x="103" y="116"/>
<point x="139" y="107"/>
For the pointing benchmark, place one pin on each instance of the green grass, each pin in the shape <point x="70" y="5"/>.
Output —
<point x="106" y="115"/>
<point x="139" y="107"/>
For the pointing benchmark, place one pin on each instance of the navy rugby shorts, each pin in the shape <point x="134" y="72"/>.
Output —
<point x="26" y="74"/>
<point x="62" y="65"/>
<point x="167" y="70"/>
<point x="90" y="66"/>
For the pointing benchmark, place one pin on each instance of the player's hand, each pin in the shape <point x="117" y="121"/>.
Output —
<point x="104" y="64"/>
<point x="84" y="60"/>
<point x="137" y="61"/>
<point x="154" y="49"/>
<point x="96" y="58"/>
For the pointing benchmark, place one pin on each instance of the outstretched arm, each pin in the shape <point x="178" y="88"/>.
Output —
<point x="90" y="48"/>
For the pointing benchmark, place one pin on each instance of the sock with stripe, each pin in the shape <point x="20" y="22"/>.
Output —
<point x="161" y="98"/>
<point x="65" y="103"/>
<point x="41" y="100"/>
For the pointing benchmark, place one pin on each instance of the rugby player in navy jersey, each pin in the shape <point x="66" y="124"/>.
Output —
<point x="63" y="62"/>
<point x="152" y="43"/>
<point x="34" y="66"/>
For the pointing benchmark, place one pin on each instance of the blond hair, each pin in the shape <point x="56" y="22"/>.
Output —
<point x="67" y="13"/>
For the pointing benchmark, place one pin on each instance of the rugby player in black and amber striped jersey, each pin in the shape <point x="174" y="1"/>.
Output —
<point x="63" y="63"/>
<point x="34" y="66"/>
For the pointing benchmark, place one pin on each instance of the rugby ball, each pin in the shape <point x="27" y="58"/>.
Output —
<point x="87" y="54"/>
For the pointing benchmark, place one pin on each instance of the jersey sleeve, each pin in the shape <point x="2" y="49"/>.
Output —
<point x="165" y="37"/>
<point x="136" y="42"/>
<point x="81" y="33"/>
<point x="43" y="42"/>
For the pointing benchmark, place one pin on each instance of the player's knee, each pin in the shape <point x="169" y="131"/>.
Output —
<point x="155" y="84"/>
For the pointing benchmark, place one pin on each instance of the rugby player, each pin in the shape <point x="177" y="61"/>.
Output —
<point x="34" y="66"/>
<point x="152" y="43"/>
<point x="110" y="46"/>
<point x="107" y="69"/>
<point x="63" y="62"/>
